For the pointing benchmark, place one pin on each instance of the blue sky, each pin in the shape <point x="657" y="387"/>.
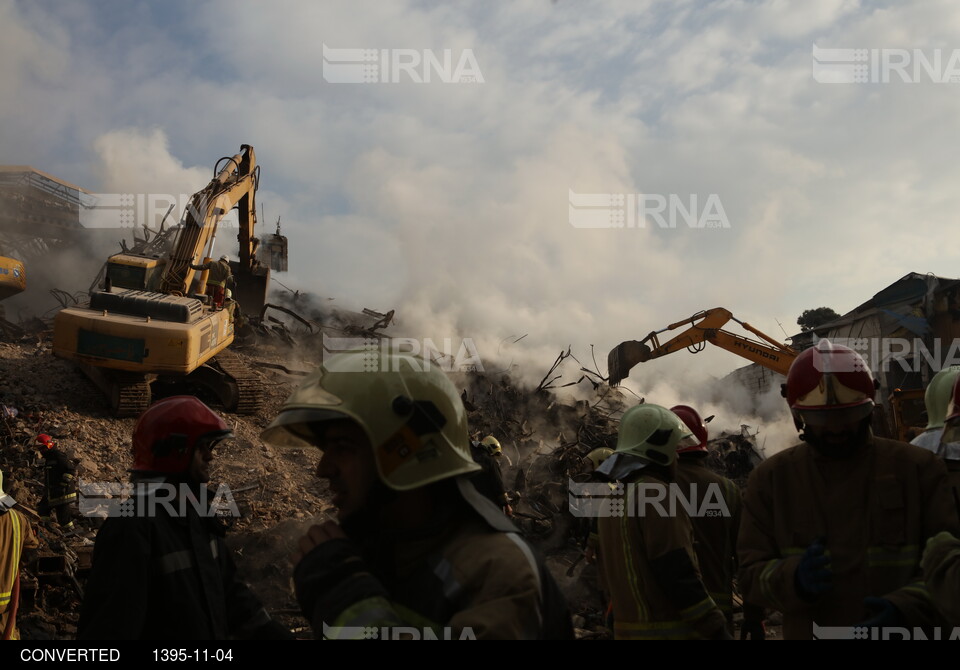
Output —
<point x="449" y="202"/>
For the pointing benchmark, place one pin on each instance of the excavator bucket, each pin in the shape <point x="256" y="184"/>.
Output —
<point x="623" y="357"/>
<point x="251" y="289"/>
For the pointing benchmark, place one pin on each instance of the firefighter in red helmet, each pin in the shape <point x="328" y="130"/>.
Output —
<point x="60" y="486"/>
<point x="161" y="568"/>
<point x="716" y="536"/>
<point x="833" y="527"/>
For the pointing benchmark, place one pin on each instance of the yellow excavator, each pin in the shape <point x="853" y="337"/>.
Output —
<point x="13" y="278"/>
<point x="147" y="326"/>
<point x="707" y="326"/>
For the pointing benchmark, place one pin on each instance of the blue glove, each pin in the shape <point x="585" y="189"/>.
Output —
<point x="887" y="613"/>
<point x="813" y="576"/>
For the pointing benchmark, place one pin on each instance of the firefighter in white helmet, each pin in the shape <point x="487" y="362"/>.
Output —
<point x="647" y="554"/>
<point x="415" y="544"/>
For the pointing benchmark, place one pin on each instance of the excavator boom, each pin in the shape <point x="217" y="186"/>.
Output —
<point x="705" y="326"/>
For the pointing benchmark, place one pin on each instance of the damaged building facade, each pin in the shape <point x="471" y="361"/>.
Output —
<point x="906" y="333"/>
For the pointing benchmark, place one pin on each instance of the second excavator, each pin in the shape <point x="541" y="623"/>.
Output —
<point x="707" y="326"/>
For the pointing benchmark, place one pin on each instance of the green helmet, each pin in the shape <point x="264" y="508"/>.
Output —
<point x="938" y="394"/>
<point x="409" y="410"/>
<point x="653" y="433"/>
<point x="598" y="456"/>
<point x="491" y="445"/>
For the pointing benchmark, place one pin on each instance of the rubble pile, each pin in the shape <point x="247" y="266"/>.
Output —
<point x="545" y="436"/>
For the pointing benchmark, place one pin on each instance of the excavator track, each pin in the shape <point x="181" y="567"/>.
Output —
<point x="130" y="395"/>
<point x="249" y="388"/>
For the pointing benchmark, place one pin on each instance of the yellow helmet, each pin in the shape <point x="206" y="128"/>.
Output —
<point x="491" y="445"/>
<point x="409" y="410"/>
<point x="598" y="456"/>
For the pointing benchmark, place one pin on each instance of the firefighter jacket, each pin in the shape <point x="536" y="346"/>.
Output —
<point x="650" y="571"/>
<point x="16" y="534"/>
<point x="941" y="572"/>
<point x="59" y="477"/>
<point x="165" y="572"/>
<point x="219" y="272"/>
<point x="461" y="577"/>
<point x="953" y="479"/>
<point x="489" y="481"/>
<point x="874" y="512"/>
<point x="715" y="536"/>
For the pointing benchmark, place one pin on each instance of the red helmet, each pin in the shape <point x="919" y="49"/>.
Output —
<point x="45" y="441"/>
<point x="829" y="384"/>
<point x="167" y="433"/>
<point x="691" y="417"/>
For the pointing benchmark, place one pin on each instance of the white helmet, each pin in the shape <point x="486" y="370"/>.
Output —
<point x="409" y="409"/>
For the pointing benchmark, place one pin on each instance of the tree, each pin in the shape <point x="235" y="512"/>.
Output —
<point x="814" y="318"/>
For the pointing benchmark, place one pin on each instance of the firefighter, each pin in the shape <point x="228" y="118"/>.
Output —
<point x="60" y="484"/>
<point x="16" y="534"/>
<point x="489" y="481"/>
<point x="218" y="278"/>
<point x="416" y="546"/>
<point x="935" y="399"/>
<point x="715" y="536"/>
<point x="941" y="573"/>
<point x="161" y="568"/>
<point x="832" y="527"/>
<point x="233" y="308"/>
<point x="949" y="447"/>
<point x="647" y="554"/>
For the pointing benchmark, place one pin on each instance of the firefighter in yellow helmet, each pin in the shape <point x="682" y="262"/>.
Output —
<point x="16" y="535"/>
<point x="646" y="550"/>
<point x="489" y="481"/>
<point x="415" y="546"/>
<point x="936" y="398"/>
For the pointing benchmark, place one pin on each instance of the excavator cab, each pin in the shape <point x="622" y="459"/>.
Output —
<point x="129" y="271"/>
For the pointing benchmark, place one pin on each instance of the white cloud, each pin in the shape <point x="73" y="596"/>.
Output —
<point x="449" y="202"/>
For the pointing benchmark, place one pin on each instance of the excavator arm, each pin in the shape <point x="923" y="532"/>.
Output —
<point x="235" y="185"/>
<point x="703" y="327"/>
